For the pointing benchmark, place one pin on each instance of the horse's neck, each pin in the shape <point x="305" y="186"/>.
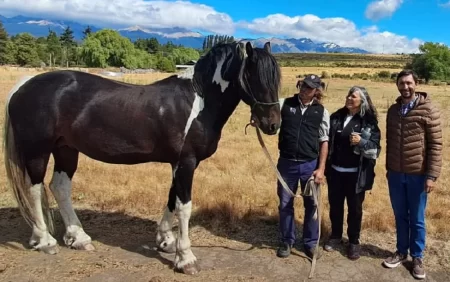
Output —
<point x="220" y="106"/>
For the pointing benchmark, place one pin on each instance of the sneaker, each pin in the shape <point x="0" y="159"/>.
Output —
<point x="353" y="251"/>
<point x="395" y="260"/>
<point x="310" y="252"/>
<point x="284" y="250"/>
<point x="332" y="244"/>
<point x="418" y="270"/>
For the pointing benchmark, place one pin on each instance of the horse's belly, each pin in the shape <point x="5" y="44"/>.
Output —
<point x="129" y="148"/>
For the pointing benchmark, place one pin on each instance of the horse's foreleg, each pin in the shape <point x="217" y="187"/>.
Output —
<point x="164" y="235"/>
<point x="185" y="260"/>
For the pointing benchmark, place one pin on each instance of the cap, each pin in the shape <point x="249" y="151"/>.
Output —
<point x="313" y="81"/>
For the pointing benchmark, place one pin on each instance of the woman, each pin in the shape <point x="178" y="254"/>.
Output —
<point x="353" y="149"/>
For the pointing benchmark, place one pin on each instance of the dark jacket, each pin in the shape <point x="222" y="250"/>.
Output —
<point x="299" y="133"/>
<point x="369" y="149"/>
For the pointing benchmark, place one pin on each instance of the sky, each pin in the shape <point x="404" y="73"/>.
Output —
<point x="381" y="26"/>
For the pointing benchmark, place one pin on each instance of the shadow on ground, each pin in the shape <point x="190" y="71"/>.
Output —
<point x="131" y="233"/>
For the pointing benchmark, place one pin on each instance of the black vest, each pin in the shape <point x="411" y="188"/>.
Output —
<point x="299" y="133"/>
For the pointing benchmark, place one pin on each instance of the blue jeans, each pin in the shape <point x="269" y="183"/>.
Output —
<point x="293" y="172"/>
<point x="409" y="200"/>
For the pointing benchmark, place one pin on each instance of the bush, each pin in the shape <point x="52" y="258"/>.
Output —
<point x="384" y="74"/>
<point x="325" y="74"/>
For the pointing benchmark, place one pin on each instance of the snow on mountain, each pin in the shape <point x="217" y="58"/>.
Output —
<point x="178" y="36"/>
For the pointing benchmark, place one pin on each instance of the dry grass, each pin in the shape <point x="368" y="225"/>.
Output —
<point x="293" y="71"/>
<point x="237" y="182"/>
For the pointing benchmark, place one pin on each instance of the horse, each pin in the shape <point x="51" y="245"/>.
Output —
<point x="176" y="120"/>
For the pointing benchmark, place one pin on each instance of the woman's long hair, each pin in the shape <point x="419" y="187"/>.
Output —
<point x="367" y="108"/>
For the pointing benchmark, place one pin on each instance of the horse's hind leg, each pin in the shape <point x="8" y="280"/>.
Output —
<point x="66" y="162"/>
<point x="41" y="239"/>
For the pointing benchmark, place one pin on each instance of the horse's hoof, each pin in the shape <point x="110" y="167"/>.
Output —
<point x="86" y="247"/>
<point x="167" y="248"/>
<point x="50" y="250"/>
<point x="190" y="268"/>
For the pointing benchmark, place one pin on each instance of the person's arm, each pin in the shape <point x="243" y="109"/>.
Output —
<point x="370" y="148"/>
<point x="433" y="137"/>
<point x="324" y="130"/>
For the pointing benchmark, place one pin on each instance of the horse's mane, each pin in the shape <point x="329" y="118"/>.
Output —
<point x="206" y="66"/>
<point x="267" y="70"/>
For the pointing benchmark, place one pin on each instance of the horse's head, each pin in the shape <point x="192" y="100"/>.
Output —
<point x="260" y="78"/>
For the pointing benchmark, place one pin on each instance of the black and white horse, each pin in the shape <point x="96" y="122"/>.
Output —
<point x="176" y="120"/>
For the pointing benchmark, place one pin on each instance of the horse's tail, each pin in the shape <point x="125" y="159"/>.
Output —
<point x="16" y="173"/>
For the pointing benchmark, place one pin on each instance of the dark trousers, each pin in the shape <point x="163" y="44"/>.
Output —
<point x="341" y="186"/>
<point x="292" y="173"/>
<point x="409" y="201"/>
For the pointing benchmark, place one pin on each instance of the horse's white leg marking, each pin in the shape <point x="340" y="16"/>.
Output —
<point x="197" y="107"/>
<point x="40" y="238"/>
<point x="217" y="78"/>
<point x="164" y="236"/>
<point x="184" y="253"/>
<point x="75" y="237"/>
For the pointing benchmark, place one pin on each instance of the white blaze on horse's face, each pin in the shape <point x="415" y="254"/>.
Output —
<point x="217" y="78"/>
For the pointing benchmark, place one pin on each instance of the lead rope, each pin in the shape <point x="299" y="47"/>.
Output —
<point x="311" y="190"/>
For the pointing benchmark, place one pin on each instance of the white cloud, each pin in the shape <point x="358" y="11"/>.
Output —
<point x="445" y="5"/>
<point x="157" y="14"/>
<point x="382" y="9"/>
<point x="337" y="30"/>
<point x="160" y="14"/>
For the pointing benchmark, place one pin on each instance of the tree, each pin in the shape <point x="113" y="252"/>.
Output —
<point x="150" y="45"/>
<point x="26" y="50"/>
<point x="68" y="43"/>
<point x="3" y="42"/>
<point x="433" y="62"/>
<point x="108" y="48"/>
<point x="53" y="47"/>
<point x="87" y="31"/>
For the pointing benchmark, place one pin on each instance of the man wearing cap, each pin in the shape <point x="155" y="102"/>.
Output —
<point x="303" y="146"/>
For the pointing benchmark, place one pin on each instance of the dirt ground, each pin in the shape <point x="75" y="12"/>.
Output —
<point x="126" y="252"/>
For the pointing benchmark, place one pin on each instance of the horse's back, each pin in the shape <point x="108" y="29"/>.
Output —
<point x="106" y="120"/>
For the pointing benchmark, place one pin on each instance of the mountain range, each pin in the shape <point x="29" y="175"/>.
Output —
<point x="179" y="36"/>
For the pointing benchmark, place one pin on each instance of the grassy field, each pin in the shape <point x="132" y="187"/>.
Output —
<point x="237" y="185"/>
<point x="342" y="60"/>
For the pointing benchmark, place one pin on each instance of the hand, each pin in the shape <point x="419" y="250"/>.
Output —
<point x="319" y="176"/>
<point x="429" y="185"/>
<point x="354" y="139"/>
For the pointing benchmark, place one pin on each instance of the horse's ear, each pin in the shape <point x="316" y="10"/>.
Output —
<point x="241" y="49"/>
<point x="267" y="47"/>
<point x="249" y="48"/>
